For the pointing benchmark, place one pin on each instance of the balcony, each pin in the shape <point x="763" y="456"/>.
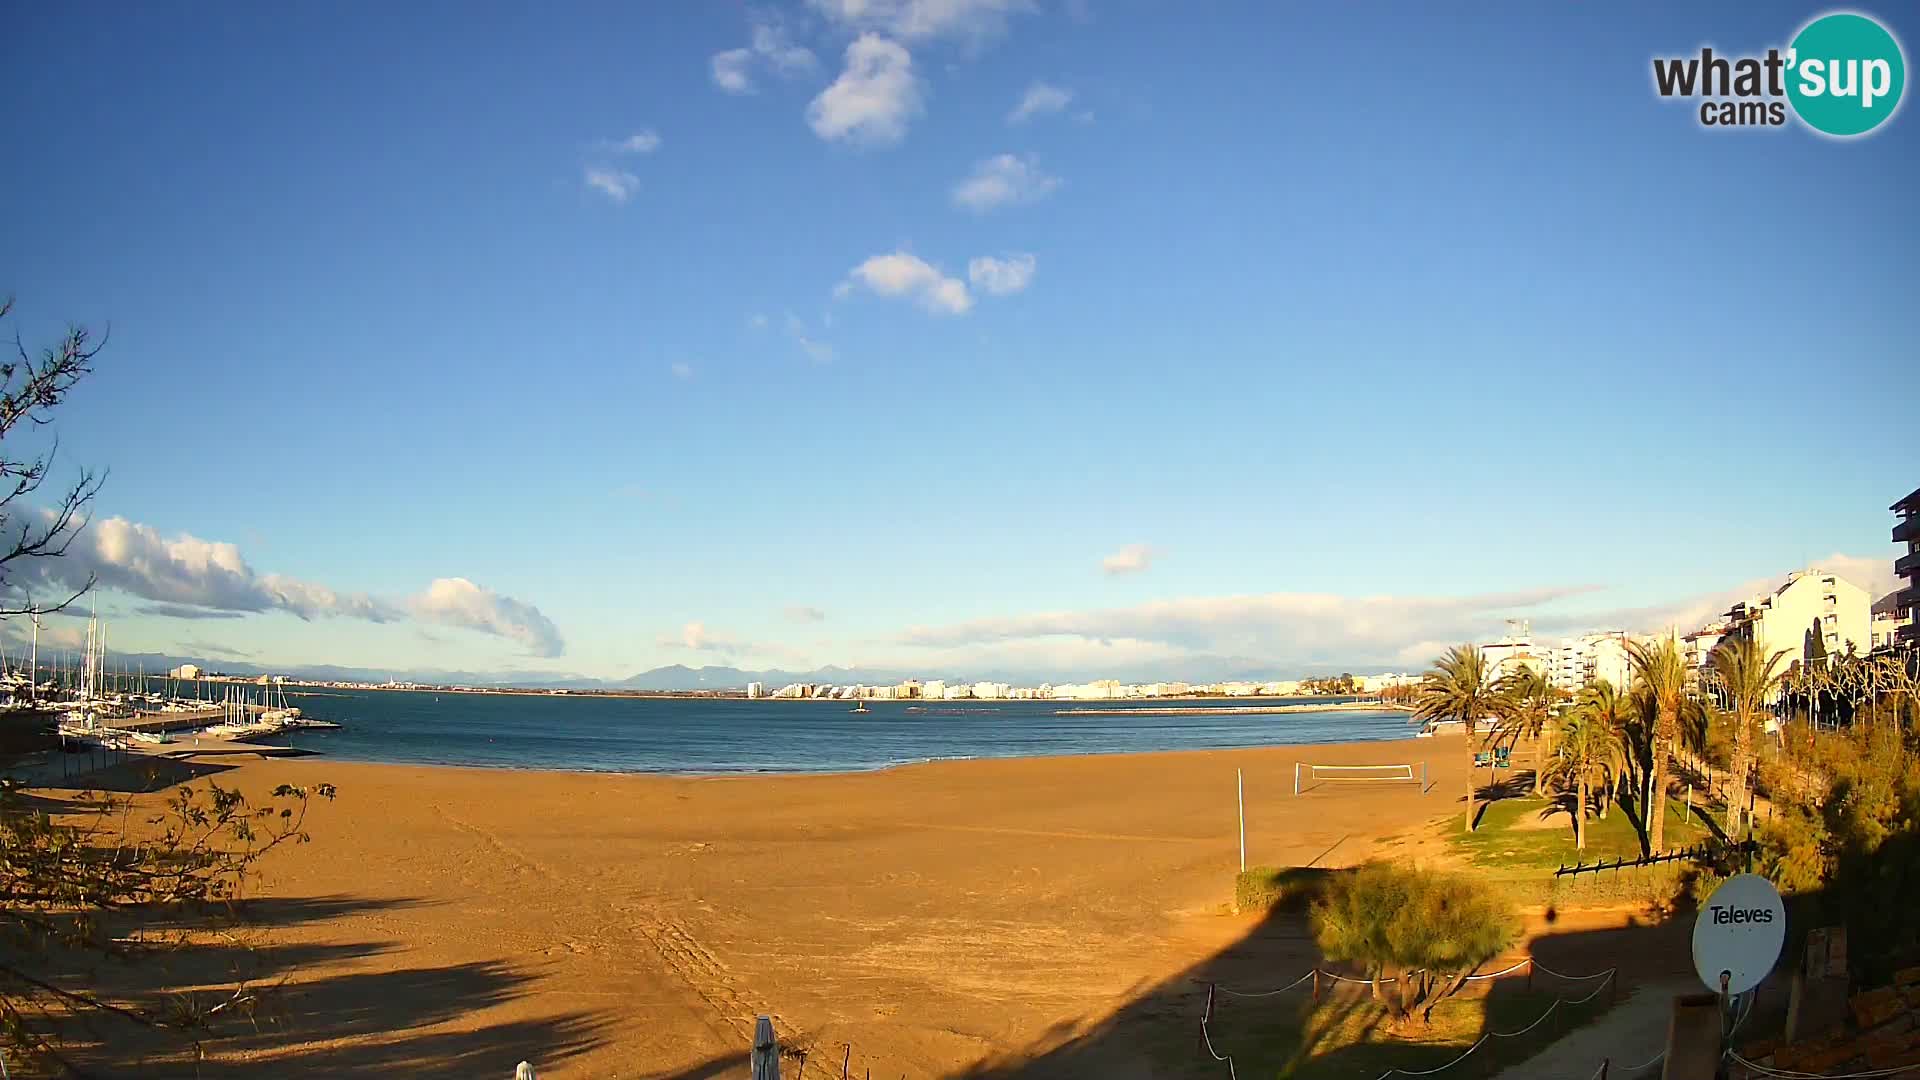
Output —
<point x="1907" y="565"/>
<point x="1907" y="530"/>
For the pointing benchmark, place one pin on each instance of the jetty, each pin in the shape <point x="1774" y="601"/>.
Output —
<point x="182" y="720"/>
<point x="1237" y="710"/>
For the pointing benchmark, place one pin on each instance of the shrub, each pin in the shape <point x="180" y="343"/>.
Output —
<point x="1387" y="919"/>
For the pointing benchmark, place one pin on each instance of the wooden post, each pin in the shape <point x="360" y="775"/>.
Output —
<point x="523" y="1071"/>
<point x="766" y="1050"/>
<point x="1240" y="785"/>
<point x="1689" y="804"/>
<point x="1693" y="1038"/>
<point x="1529" y="974"/>
<point x="1316" y="986"/>
<point x="845" y="1061"/>
<point x="1605" y="1063"/>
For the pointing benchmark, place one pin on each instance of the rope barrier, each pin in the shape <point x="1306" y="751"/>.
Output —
<point x="1392" y="979"/>
<point x="1217" y="1055"/>
<point x="1508" y="971"/>
<point x="1537" y="966"/>
<point x="1606" y="978"/>
<point x="1483" y="1040"/>
<point x="1269" y="993"/>
<point x="1788" y="1074"/>
<point x="1647" y="1064"/>
<point x="1206" y="1036"/>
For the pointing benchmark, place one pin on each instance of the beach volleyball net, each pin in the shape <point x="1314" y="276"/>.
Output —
<point x="1308" y="776"/>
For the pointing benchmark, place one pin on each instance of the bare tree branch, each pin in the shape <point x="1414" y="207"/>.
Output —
<point x="30" y="391"/>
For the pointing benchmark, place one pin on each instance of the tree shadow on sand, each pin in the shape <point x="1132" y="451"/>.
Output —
<point x="307" y="1011"/>
<point x="1157" y="1032"/>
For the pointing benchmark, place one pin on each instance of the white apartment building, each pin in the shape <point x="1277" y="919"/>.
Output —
<point x="1578" y="661"/>
<point x="755" y="690"/>
<point x="934" y="689"/>
<point x="1697" y="647"/>
<point x="991" y="690"/>
<point x="1886" y="629"/>
<point x="1373" y="684"/>
<point x="1813" y="606"/>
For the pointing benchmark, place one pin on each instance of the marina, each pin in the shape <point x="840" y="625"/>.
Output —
<point x="103" y="718"/>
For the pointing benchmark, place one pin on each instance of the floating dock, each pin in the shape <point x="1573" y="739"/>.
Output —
<point x="180" y="721"/>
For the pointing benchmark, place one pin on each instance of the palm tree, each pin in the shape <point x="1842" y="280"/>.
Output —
<point x="1584" y="747"/>
<point x="1526" y="705"/>
<point x="1749" y="676"/>
<point x="1605" y="707"/>
<point x="1662" y="674"/>
<point x="1457" y="688"/>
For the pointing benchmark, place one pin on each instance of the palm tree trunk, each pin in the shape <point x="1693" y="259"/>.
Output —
<point x="1580" y="817"/>
<point x="1656" y="809"/>
<point x="1539" y="760"/>
<point x="1470" y="779"/>
<point x="1737" y="774"/>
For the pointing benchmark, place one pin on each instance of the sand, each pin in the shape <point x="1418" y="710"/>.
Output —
<point x="449" y="921"/>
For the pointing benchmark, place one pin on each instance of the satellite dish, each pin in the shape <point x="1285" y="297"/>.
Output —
<point x="1738" y="934"/>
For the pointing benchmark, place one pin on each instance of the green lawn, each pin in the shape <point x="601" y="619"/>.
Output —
<point x="1524" y="858"/>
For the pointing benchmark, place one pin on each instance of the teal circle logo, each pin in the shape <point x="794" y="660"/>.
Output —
<point x="1845" y="74"/>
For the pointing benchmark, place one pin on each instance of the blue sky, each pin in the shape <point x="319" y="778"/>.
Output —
<point x="663" y="333"/>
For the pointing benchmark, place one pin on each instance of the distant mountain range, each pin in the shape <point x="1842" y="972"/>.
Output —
<point x="679" y="677"/>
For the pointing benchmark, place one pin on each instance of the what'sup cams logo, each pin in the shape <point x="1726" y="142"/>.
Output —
<point x="1843" y="76"/>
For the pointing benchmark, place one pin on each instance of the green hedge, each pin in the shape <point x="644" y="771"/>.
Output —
<point x="1262" y="888"/>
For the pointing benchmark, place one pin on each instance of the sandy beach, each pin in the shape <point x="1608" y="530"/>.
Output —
<point x="935" y="917"/>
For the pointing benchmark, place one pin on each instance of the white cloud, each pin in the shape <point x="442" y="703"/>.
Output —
<point x="770" y="43"/>
<point x="730" y="71"/>
<point x="757" y="321"/>
<point x="1002" y="276"/>
<point x="640" y="142"/>
<point x="1129" y="560"/>
<point x="1041" y="99"/>
<point x="873" y="99"/>
<point x="188" y="577"/>
<point x="1299" y="632"/>
<point x="817" y="351"/>
<point x="1004" y="180"/>
<point x="769" y="48"/>
<point x="188" y="572"/>
<point x="681" y="369"/>
<point x="919" y="19"/>
<point x="1286" y="630"/>
<point x="614" y="184"/>
<point x="459" y="602"/>
<point x="901" y="274"/>
<point x="806" y="614"/>
<point x="696" y="636"/>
